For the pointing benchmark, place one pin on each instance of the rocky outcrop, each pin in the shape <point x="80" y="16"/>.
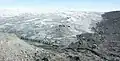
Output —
<point x="14" y="49"/>
<point x="109" y="28"/>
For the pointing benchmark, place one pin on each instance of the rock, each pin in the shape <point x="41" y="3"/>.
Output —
<point x="45" y="59"/>
<point x="109" y="28"/>
<point x="13" y="48"/>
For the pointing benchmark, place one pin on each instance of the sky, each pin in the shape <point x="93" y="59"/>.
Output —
<point x="83" y="5"/>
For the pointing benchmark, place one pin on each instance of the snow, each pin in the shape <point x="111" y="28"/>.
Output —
<point x="47" y="25"/>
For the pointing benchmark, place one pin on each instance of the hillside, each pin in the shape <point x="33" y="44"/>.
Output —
<point x="60" y="36"/>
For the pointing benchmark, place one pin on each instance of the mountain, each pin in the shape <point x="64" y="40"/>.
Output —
<point x="60" y="36"/>
<point x="50" y="27"/>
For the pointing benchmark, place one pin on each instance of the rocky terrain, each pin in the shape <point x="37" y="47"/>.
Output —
<point x="60" y="36"/>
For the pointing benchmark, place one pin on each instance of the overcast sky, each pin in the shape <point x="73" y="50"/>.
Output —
<point x="87" y="5"/>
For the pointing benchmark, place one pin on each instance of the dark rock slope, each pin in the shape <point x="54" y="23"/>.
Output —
<point x="103" y="44"/>
<point x="110" y="28"/>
